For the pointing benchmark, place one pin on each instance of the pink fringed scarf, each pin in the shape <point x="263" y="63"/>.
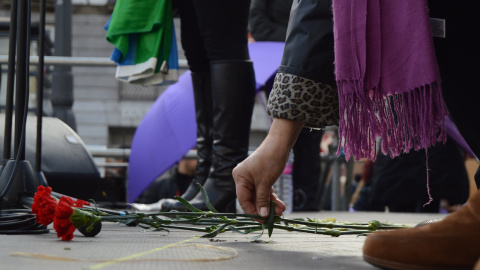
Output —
<point x="387" y="77"/>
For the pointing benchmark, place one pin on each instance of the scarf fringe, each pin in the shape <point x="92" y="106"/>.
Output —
<point x="413" y="119"/>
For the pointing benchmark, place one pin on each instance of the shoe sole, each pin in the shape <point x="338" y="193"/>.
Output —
<point x="386" y="264"/>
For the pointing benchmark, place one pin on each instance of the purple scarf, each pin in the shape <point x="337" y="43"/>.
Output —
<point x="387" y="77"/>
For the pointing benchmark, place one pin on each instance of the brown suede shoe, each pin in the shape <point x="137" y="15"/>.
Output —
<point x="453" y="243"/>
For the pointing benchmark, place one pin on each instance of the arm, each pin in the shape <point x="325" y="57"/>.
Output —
<point x="255" y="176"/>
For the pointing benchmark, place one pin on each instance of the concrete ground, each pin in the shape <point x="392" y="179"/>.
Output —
<point x="121" y="247"/>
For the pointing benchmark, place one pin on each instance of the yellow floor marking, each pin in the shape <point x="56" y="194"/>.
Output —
<point x="98" y="266"/>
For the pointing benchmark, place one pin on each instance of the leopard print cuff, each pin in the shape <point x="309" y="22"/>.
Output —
<point x="301" y="99"/>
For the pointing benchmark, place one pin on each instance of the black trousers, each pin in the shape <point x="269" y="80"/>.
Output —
<point x="458" y="57"/>
<point x="213" y="30"/>
<point x="307" y="170"/>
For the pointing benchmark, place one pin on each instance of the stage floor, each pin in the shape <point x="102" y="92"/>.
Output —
<point x="118" y="246"/>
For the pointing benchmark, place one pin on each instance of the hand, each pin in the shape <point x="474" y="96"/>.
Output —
<point x="255" y="176"/>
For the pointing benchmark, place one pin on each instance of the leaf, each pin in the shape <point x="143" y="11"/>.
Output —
<point x="126" y="221"/>
<point x="187" y="204"/>
<point x="271" y="218"/>
<point x="206" y="200"/>
<point x="216" y="232"/>
<point x="236" y="230"/>
<point x="256" y="237"/>
<point x="233" y="229"/>
<point x="143" y="226"/>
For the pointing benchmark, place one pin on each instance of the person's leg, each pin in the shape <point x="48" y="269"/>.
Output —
<point x="233" y="88"/>
<point x="223" y="25"/>
<point x="191" y="39"/>
<point x="223" y="28"/>
<point x="198" y="62"/>
<point x="306" y="170"/>
<point x="199" y="65"/>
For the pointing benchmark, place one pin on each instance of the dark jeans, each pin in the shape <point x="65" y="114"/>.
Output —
<point x="213" y="30"/>
<point x="458" y="56"/>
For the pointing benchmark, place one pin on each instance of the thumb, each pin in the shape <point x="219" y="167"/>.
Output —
<point x="262" y="199"/>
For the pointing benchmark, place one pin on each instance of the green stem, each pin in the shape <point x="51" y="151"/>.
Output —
<point x="336" y="225"/>
<point x="250" y="227"/>
<point x="325" y="232"/>
<point x="207" y="214"/>
<point x="184" y="228"/>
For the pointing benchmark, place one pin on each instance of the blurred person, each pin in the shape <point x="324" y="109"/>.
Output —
<point x="359" y="199"/>
<point x="392" y="178"/>
<point x="174" y="183"/>
<point x="214" y="38"/>
<point x="268" y="22"/>
<point x="268" y="19"/>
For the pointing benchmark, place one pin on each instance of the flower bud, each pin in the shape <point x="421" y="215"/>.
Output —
<point x="82" y="218"/>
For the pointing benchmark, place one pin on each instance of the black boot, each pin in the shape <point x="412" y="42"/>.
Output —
<point x="203" y="113"/>
<point x="233" y="92"/>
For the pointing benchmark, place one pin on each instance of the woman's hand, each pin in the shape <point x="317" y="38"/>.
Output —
<point x="255" y="176"/>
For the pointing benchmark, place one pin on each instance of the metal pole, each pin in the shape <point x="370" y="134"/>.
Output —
<point x="41" y="65"/>
<point x="335" y="185"/>
<point x="7" y="143"/>
<point x="62" y="84"/>
<point x="21" y="78"/>
<point x="17" y="177"/>
<point x="79" y="61"/>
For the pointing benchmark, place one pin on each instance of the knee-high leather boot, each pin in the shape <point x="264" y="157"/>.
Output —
<point x="233" y="92"/>
<point x="203" y="113"/>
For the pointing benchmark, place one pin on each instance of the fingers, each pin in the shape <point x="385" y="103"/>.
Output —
<point x="245" y="189"/>
<point x="254" y="178"/>
<point x="245" y="196"/>
<point x="263" y="195"/>
<point x="280" y="206"/>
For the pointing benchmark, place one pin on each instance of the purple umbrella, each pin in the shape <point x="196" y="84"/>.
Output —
<point x="266" y="57"/>
<point x="165" y="134"/>
<point x="168" y="130"/>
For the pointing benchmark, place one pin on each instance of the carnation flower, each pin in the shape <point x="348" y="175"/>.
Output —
<point x="68" y="218"/>
<point x="80" y="203"/>
<point x="61" y="222"/>
<point x="44" y="205"/>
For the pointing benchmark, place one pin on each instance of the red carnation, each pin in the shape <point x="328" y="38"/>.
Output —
<point x="61" y="222"/>
<point x="80" y="203"/>
<point x="44" y="205"/>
